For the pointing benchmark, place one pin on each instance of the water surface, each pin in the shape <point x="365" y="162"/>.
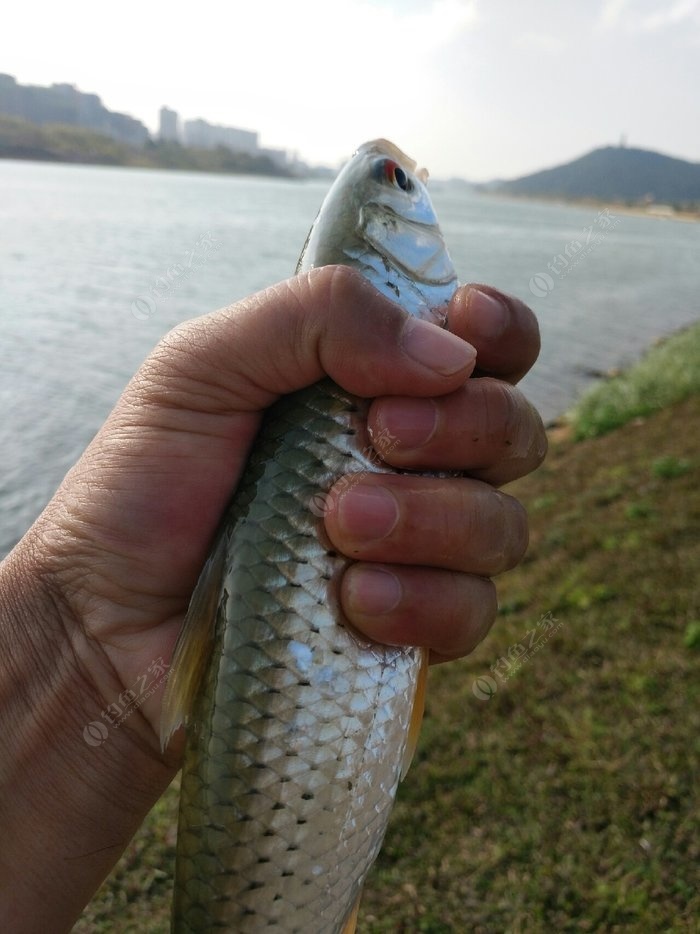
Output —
<point x="97" y="263"/>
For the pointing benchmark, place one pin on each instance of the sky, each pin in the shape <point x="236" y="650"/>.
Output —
<point x="478" y="89"/>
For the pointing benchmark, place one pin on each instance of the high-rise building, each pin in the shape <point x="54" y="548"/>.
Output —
<point x="169" y="126"/>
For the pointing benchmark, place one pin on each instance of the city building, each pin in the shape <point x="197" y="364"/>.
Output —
<point x="203" y="135"/>
<point x="63" y="103"/>
<point x="169" y="125"/>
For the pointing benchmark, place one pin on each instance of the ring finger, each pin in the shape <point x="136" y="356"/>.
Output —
<point x="457" y="524"/>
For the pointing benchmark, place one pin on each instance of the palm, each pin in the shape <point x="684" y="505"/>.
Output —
<point x="142" y="537"/>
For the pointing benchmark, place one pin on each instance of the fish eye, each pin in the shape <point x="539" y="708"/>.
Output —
<point x="401" y="179"/>
<point x="395" y="175"/>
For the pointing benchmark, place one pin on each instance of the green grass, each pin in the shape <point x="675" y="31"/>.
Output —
<point x="567" y="801"/>
<point x="565" y="797"/>
<point x="669" y="373"/>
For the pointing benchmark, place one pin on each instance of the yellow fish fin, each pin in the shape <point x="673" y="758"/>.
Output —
<point x="416" y="714"/>
<point x="351" y="923"/>
<point x="193" y="646"/>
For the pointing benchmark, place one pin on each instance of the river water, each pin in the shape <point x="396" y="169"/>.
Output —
<point x="97" y="263"/>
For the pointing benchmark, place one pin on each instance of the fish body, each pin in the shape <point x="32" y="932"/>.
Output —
<point x="299" y="727"/>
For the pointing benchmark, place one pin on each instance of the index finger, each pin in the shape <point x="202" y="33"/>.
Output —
<point x="502" y="329"/>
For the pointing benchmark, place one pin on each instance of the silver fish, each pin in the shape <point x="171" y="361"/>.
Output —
<point x="298" y="728"/>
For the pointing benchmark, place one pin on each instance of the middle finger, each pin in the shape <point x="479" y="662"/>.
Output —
<point x="487" y="427"/>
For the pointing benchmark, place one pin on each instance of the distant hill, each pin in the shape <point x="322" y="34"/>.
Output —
<point x="614" y="173"/>
<point x="66" y="105"/>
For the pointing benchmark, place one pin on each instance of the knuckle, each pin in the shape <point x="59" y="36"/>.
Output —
<point x="516" y="530"/>
<point x="500" y="407"/>
<point x="513" y="427"/>
<point x="527" y="327"/>
<point x="175" y="353"/>
<point x="540" y="441"/>
<point x="489" y="605"/>
<point x="337" y="284"/>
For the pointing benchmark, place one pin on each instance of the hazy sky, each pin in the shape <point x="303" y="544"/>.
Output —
<point x="475" y="88"/>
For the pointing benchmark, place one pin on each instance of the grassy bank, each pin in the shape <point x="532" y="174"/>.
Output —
<point x="666" y="375"/>
<point x="556" y="783"/>
<point x="567" y="800"/>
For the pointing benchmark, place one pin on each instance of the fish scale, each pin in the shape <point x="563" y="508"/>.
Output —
<point x="286" y="738"/>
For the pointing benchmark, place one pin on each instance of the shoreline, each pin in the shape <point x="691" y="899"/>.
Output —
<point x="603" y="393"/>
<point x="51" y="159"/>
<point x="661" y="212"/>
<point x="59" y="143"/>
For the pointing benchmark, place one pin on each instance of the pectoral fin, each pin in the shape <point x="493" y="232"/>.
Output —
<point x="416" y="714"/>
<point x="193" y="645"/>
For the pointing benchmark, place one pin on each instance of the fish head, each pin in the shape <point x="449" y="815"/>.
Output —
<point x="379" y="218"/>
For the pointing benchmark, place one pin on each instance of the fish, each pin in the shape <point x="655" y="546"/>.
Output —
<point x="299" y="729"/>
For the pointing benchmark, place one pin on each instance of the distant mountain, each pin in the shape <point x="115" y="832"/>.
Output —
<point x="614" y="173"/>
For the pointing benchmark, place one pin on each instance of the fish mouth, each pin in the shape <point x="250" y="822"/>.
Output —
<point x="413" y="247"/>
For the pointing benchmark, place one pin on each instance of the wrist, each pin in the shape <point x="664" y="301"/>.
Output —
<point x="68" y="806"/>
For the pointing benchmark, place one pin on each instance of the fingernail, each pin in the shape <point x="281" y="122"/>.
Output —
<point x="488" y="317"/>
<point x="436" y="348"/>
<point x="371" y="591"/>
<point x="367" y="512"/>
<point x="410" y="422"/>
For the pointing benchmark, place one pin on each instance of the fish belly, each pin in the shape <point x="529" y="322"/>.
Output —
<point x="299" y="730"/>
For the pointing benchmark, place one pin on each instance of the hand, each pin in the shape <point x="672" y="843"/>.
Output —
<point x="124" y="539"/>
<point x="97" y="589"/>
<point x="441" y="540"/>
